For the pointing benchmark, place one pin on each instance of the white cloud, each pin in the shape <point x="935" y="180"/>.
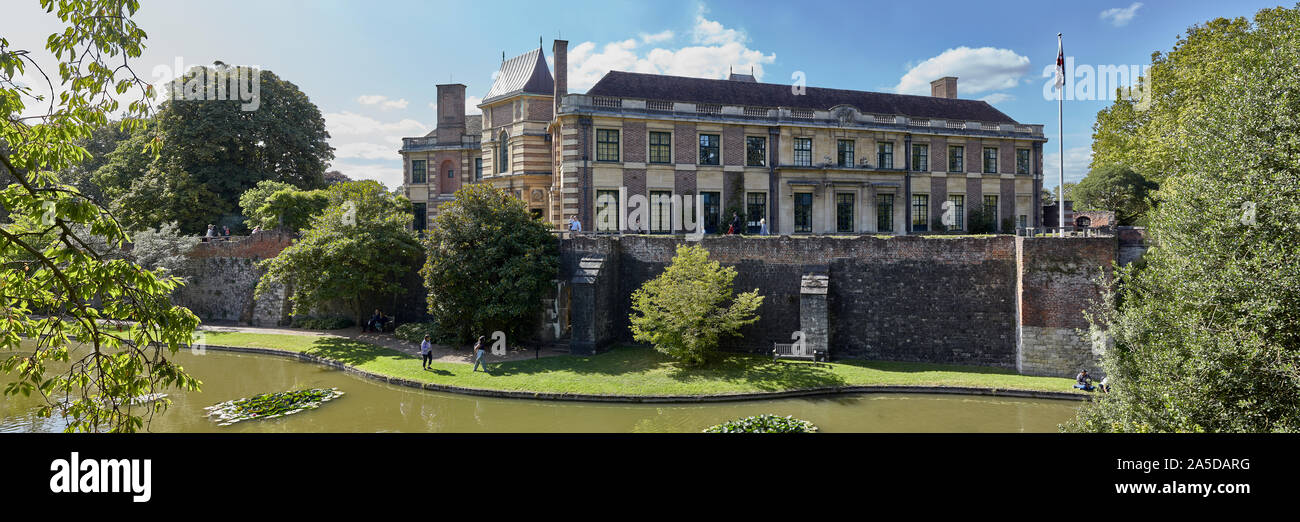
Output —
<point x="389" y="172"/>
<point x="382" y="101"/>
<point x="660" y="36"/>
<point x="352" y="124"/>
<point x="1121" y="16"/>
<point x="978" y="70"/>
<point x="367" y="150"/>
<point x="1077" y="160"/>
<point x="715" y="50"/>
<point x="998" y="97"/>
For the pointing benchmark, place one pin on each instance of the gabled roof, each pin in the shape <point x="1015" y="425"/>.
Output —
<point x="526" y="73"/>
<point x="737" y="92"/>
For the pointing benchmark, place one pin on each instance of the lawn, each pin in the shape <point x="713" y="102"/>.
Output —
<point x="633" y="370"/>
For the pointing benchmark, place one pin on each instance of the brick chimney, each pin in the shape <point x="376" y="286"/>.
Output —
<point x="451" y="112"/>
<point x="945" y="87"/>
<point x="560" y="51"/>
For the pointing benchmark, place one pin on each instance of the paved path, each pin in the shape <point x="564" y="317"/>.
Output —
<point x="441" y="353"/>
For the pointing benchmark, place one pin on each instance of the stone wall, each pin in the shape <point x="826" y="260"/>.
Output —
<point x="225" y="275"/>
<point x="971" y="300"/>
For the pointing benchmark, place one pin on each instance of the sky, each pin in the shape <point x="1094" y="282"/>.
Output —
<point x="371" y="66"/>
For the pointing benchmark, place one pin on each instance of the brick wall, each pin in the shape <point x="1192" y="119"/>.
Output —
<point x="634" y="141"/>
<point x="1057" y="281"/>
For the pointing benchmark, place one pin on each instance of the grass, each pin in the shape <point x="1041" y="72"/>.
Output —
<point x="631" y="370"/>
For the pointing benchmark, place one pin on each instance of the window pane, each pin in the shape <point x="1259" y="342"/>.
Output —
<point x="606" y="145"/>
<point x="921" y="157"/>
<point x="844" y="212"/>
<point x="803" y="212"/>
<point x="803" y="152"/>
<point x="845" y="153"/>
<point x="661" y="204"/>
<point x="1022" y="161"/>
<point x="885" y="155"/>
<point x="709" y="153"/>
<point x="417" y="171"/>
<point x="885" y="213"/>
<point x="755" y="151"/>
<point x="478" y="169"/>
<point x="990" y="160"/>
<point x="755" y="209"/>
<point x="958" y="208"/>
<point x="920" y="212"/>
<point x="955" y="154"/>
<point x="607" y="211"/>
<point x="712" y="211"/>
<point x="661" y="150"/>
<point x="419" y="209"/>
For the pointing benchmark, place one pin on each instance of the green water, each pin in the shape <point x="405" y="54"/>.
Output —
<point x="371" y="406"/>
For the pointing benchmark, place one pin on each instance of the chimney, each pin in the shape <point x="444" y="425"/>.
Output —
<point x="945" y="87"/>
<point x="560" y="51"/>
<point x="451" y="112"/>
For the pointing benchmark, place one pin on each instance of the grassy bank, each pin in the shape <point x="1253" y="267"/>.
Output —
<point x="631" y="370"/>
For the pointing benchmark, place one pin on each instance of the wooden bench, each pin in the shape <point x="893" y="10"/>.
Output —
<point x="786" y="351"/>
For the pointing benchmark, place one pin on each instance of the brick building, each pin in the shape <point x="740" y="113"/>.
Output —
<point x="808" y="160"/>
<point x="438" y="163"/>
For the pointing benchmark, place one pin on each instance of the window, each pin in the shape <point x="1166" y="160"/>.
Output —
<point x="712" y="211"/>
<point x="419" y="209"/>
<point x="417" y="171"/>
<point x="803" y="212"/>
<point x="1023" y="222"/>
<point x="990" y="211"/>
<point x="661" y="147"/>
<point x="710" y="153"/>
<point x="661" y="211"/>
<point x="606" y="145"/>
<point x="990" y="160"/>
<point x="451" y="173"/>
<point x="1022" y="161"/>
<point x="844" y="153"/>
<point x="755" y="209"/>
<point x="755" y="151"/>
<point x="478" y="169"/>
<point x="885" y="213"/>
<point x="955" y="163"/>
<point x="920" y="212"/>
<point x="607" y="211"/>
<point x="803" y="152"/>
<point x="503" y="153"/>
<point x="885" y="155"/>
<point x="844" y="212"/>
<point x="921" y="157"/>
<point x="957" y="204"/>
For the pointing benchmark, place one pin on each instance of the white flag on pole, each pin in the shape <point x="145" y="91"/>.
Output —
<point x="1060" y="63"/>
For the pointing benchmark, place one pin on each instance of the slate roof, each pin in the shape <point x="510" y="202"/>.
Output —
<point x="526" y="73"/>
<point x="729" y="92"/>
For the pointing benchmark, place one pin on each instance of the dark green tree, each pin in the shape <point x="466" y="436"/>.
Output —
<point x="489" y="264"/>
<point x="1116" y="188"/>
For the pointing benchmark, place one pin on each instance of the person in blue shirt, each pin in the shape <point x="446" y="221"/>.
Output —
<point x="479" y="353"/>
<point x="1083" y="381"/>
<point x="426" y="352"/>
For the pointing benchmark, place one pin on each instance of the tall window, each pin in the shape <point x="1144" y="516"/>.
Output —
<point x="885" y="213"/>
<point x="661" y="207"/>
<point x="990" y="160"/>
<point x="844" y="153"/>
<point x="503" y="153"/>
<point x="803" y="212"/>
<point x="920" y="212"/>
<point x="844" y="212"/>
<point x="478" y="169"/>
<point x="1023" y="222"/>
<point x="920" y="157"/>
<point x="958" y="207"/>
<point x="606" y="145"/>
<point x="1022" y="161"/>
<point x="661" y="147"/>
<point x="803" y="152"/>
<point x="885" y="155"/>
<point x="712" y="211"/>
<point x="419" y="209"/>
<point x="955" y="163"/>
<point x="990" y="211"/>
<point x="755" y="209"/>
<point x="418" y="172"/>
<point x="607" y="211"/>
<point x="755" y="151"/>
<point x="710" y="150"/>
<point x="451" y="173"/>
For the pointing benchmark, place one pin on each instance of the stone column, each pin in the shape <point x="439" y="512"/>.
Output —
<point x="813" y="321"/>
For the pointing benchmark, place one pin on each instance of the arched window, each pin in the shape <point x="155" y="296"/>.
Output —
<point x="1083" y="222"/>
<point x="503" y="153"/>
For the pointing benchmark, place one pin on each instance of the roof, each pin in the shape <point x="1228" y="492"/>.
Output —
<point x="736" y="92"/>
<point x="526" y="73"/>
<point x="473" y="126"/>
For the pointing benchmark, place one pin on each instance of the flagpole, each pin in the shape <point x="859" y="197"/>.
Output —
<point x="1060" y="142"/>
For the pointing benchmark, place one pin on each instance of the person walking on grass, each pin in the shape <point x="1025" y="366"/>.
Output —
<point x="479" y="353"/>
<point x="426" y="352"/>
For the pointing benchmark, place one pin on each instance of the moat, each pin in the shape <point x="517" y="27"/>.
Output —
<point x="371" y="406"/>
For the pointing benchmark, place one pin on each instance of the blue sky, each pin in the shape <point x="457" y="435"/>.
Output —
<point x="371" y="66"/>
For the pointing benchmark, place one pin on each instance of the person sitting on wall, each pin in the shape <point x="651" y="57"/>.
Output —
<point x="376" y="322"/>
<point x="1083" y="381"/>
<point x="734" y="228"/>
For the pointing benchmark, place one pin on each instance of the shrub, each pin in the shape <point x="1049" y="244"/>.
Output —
<point x="766" y="423"/>
<point x="323" y="323"/>
<point x="415" y="332"/>
<point x="682" y="311"/>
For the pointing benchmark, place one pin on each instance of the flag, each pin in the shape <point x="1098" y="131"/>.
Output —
<point x="1060" y="63"/>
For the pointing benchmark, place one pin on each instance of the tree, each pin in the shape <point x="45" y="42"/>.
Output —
<point x="489" y="264"/>
<point x="357" y="250"/>
<point x="60" y="296"/>
<point x="334" y="176"/>
<point x="277" y="205"/>
<point x="682" y="312"/>
<point x="1207" y="334"/>
<point x="1118" y="189"/>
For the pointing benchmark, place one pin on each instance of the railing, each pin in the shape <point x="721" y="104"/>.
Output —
<point x="956" y="124"/>
<point x="803" y="114"/>
<point x="1069" y="231"/>
<point x="656" y="105"/>
<point x="708" y="108"/>
<point x="918" y="123"/>
<point x="758" y="112"/>
<point x="885" y="118"/>
<point x="607" y="103"/>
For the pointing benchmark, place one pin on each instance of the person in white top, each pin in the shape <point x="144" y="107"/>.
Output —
<point x="426" y="352"/>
